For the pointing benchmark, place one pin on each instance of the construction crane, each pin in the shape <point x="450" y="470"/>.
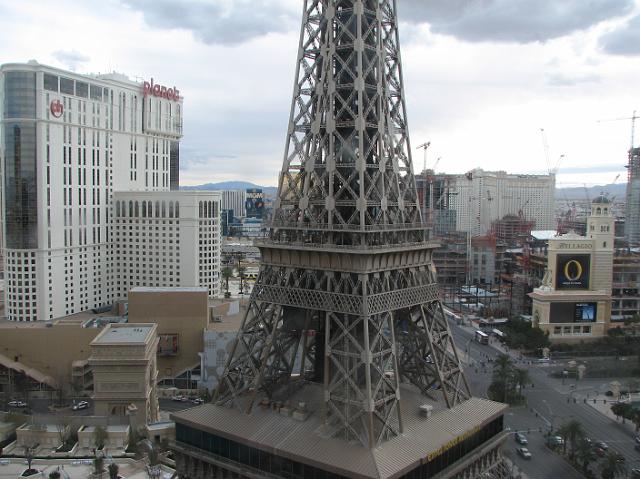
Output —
<point x="425" y="146"/>
<point x="545" y="145"/>
<point x="547" y="154"/>
<point x="436" y="164"/>
<point x="555" y="169"/>
<point x="633" y="119"/>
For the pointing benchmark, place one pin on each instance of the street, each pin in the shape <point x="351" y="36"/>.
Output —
<point x="546" y="406"/>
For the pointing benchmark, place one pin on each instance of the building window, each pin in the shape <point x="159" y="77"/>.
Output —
<point x="67" y="86"/>
<point x="50" y="82"/>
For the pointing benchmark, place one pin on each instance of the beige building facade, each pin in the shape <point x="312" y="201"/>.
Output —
<point x="123" y="359"/>
<point x="181" y="316"/>
<point x="574" y="301"/>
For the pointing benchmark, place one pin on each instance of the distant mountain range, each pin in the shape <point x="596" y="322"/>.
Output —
<point x="617" y="190"/>
<point x="269" y="191"/>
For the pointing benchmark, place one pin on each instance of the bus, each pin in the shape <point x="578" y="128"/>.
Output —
<point x="499" y="334"/>
<point x="481" y="337"/>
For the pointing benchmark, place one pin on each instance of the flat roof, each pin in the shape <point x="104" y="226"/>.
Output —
<point x="177" y="289"/>
<point x="308" y="441"/>
<point x="124" y="334"/>
<point x="544" y="234"/>
<point x="167" y="194"/>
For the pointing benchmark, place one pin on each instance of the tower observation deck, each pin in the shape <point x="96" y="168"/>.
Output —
<point x="344" y="352"/>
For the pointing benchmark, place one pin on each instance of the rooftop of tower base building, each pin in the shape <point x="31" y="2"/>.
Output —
<point x="273" y="428"/>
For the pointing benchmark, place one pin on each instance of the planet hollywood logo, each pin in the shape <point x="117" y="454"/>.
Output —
<point x="149" y="88"/>
<point x="56" y="108"/>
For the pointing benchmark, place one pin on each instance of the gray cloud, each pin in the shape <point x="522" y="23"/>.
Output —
<point x="623" y="41"/>
<point x="218" y="21"/>
<point x="519" y="21"/>
<point x="560" y="79"/>
<point x="610" y="168"/>
<point x="72" y="59"/>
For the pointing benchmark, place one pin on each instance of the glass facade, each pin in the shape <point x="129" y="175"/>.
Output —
<point x="21" y="195"/>
<point x="287" y="468"/>
<point x="174" y="166"/>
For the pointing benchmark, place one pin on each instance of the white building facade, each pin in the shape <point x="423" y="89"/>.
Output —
<point x="69" y="141"/>
<point x="480" y="197"/>
<point x="234" y="200"/>
<point x="167" y="239"/>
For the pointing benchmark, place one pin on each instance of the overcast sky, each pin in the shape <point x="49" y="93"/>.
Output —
<point x="482" y="77"/>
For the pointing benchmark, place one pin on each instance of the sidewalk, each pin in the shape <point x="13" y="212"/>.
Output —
<point x="605" y="409"/>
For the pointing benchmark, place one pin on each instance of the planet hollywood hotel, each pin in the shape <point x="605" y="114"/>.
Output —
<point x="67" y="143"/>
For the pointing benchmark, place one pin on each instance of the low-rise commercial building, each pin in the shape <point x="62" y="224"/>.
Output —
<point x="123" y="359"/>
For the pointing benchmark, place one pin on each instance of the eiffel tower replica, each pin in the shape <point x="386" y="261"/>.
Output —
<point x="346" y="303"/>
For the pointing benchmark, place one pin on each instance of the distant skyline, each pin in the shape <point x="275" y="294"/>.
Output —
<point x="481" y="77"/>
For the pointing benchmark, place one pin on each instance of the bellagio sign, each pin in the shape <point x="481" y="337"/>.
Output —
<point x="149" y="88"/>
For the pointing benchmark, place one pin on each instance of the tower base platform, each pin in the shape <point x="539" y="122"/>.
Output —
<point x="291" y="440"/>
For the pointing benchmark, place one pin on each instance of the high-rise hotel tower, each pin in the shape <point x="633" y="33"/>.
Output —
<point x="69" y="142"/>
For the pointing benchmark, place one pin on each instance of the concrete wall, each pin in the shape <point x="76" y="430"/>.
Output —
<point x="49" y="350"/>
<point x="176" y="311"/>
<point x="117" y="437"/>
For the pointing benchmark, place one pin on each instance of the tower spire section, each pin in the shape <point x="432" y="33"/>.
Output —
<point x="347" y="177"/>
<point x="346" y="296"/>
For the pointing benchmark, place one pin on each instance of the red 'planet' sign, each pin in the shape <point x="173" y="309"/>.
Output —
<point x="161" y="91"/>
<point x="56" y="108"/>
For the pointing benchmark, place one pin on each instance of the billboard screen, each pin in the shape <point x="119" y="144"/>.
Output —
<point x="167" y="344"/>
<point x="573" y="312"/>
<point x="254" y="204"/>
<point x="572" y="271"/>
<point x="585" y="312"/>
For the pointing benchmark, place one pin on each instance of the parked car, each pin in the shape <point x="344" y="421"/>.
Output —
<point x="80" y="405"/>
<point x="15" y="403"/>
<point x="602" y="445"/>
<point x="521" y="438"/>
<point x="197" y="401"/>
<point x="524" y="452"/>
<point x="638" y="439"/>
<point x="177" y="398"/>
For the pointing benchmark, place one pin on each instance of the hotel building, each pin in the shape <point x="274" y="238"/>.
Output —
<point x="69" y="142"/>
<point x="166" y="240"/>
<point x="481" y="197"/>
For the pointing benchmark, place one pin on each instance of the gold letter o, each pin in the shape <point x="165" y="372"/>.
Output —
<point x="567" y="273"/>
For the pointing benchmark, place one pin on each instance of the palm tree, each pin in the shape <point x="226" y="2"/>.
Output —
<point x="226" y="274"/>
<point x="502" y="373"/>
<point x="563" y="432"/>
<point x="152" y="453"/>
<point x="575" y="433"/>
<point x="241" y="270"/>
<point x="98" y="465"/>
<point x="622" y="410"/>
<point x="585" y="454"/>
<point x="635" y="418"/>
<point x="613" y="466"/>
<point x="113" y="470"/>
<point x="522" y="377"/>
<point x="29" y="453"/>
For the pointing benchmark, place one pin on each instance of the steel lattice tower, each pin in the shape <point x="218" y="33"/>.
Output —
<point x="346" y="295"/>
